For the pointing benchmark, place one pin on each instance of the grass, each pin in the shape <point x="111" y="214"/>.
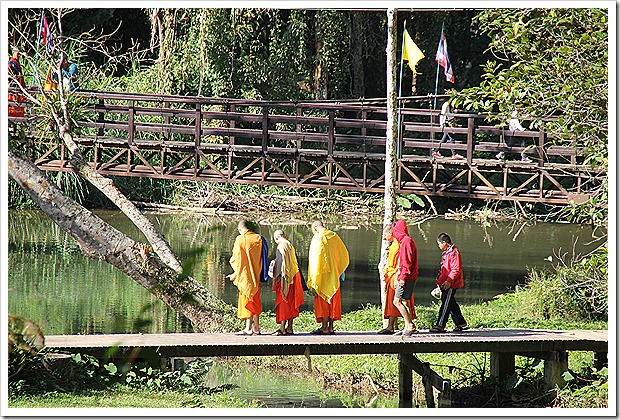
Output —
<point x="122" y="397"/>
<point x="468" y="372"/>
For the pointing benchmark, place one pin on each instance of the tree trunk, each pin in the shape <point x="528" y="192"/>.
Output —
<point x="389" y="196"/>
<point x="99" y="240"/>
<point x="106" y="186"/>
<point x="358" y="38"/>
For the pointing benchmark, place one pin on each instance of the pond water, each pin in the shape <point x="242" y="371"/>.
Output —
<point x="52" y="283"/>
<point x="288" y="389"/>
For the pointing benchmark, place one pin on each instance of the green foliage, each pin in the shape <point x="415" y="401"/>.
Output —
<point x="550" y="62"/>
<point x="406" y="201"/>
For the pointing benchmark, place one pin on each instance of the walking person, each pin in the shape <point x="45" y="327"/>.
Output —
<point x="390" y="311"/>
<point x="449" y="280"/>
<point x="328" y="258"/>
<point x="287" y="284"/>
<point x="446" y="119"/>
<point x="406" y="276"/>
<point x="249" y="260"/>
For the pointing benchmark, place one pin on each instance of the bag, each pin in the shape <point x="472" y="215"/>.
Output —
<point x="436" y="293"/>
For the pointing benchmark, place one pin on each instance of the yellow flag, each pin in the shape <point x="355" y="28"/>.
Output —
<point x="411" y="52"/>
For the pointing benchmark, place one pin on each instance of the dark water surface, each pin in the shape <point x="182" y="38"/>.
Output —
<point x="53" y="284"/>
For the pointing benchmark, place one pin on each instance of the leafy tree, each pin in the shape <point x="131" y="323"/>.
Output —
<point x="550" y="62"/>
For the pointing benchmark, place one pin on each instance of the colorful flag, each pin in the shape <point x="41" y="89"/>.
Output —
<point x="411" y="52"/>
<point x="442" y="58"/>
<point x="46" y="33"/>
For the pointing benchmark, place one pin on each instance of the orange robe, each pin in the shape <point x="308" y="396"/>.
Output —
<point x="390" y="274"/>
<point x="287" y="283"/>
<point x="328" y="258"/>
<point x="246" y="262"/>
<point x="324" y="309"/>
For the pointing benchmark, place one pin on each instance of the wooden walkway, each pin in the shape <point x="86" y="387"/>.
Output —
<point x="503" y="344"/>
<point x="313" y="145"/>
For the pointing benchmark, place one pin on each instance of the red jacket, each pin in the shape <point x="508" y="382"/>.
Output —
<point x="451" y="268"/>
<point x="407" y="253"/>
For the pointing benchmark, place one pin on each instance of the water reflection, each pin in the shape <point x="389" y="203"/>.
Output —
<point x="278" y="389"/>
<point x="53" y="284"/>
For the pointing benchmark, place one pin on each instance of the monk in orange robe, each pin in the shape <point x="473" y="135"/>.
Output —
<point x="247" y="264"/>
<point x="390" y="311"/>
<point x="328" y="258"/>
<point x="287" y="284"/>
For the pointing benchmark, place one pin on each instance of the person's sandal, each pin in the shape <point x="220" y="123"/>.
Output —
<point x="459" y="328"/>
<point x="385" y="331"/>
<point x="409" y="333"/>
<point x="279" y="332"/>
<point x="437" y="328"/>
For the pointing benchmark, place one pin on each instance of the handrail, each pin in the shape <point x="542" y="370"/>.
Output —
<point x="337" y="123"/>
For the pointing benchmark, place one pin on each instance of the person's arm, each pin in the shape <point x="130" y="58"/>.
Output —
<point x="405" y="261"/>
<point x="454" y="265"/>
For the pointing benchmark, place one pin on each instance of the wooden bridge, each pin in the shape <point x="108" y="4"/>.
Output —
<point x="311" y="145"/>
<point x="503" y="344"/>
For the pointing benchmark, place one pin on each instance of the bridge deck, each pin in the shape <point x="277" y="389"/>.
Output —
<point x="358" y="342"/>
<point x="314" y="145"/>
<point x="503" y="344"/>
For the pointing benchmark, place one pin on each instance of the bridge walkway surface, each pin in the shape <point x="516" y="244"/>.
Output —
<point x="503" y="344"/>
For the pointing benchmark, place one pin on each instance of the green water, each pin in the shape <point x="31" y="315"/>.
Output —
<point x="289" y="389"/>
<point x="52" y="283"/>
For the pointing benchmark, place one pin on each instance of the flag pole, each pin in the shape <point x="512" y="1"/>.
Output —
<point x="35" y="74"/>
<point x="400" y="87"/>
<point x="437" y="76"/>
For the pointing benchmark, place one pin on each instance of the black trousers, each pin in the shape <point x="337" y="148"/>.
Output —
<point x="449" y="307"/>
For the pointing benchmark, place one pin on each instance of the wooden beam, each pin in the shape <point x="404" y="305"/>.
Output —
<point x="556" y="364"/>
<point x="405" y="382"/>
<point x="502" y="365"/>
<point x="430" y="380"/>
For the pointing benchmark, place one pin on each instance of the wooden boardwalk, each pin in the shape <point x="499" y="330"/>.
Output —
<point x="549" y="345"/>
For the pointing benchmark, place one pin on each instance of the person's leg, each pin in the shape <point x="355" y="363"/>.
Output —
<point x="325" y="324"/>
<point x="455" y="311"/>
<point x="404" y="311"/>
<point x="391" y="323"/>
<point x="444" y="310"/>
<point x="248" y="325"/>
<point x="256" y="329"/>
<point x="289" y="327"/>
<point x="438" y="148"/>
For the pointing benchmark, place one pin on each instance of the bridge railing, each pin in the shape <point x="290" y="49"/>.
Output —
<point x="320" y="128"/>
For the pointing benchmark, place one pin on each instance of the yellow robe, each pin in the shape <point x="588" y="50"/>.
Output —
<point x="392" y="264"/>
<point x="328" y="258"/>
<point x="247" y="264"/>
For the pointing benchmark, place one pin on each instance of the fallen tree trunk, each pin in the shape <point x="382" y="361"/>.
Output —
<point x="97" y="239"/>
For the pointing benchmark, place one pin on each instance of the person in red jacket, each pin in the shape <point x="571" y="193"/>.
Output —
<point x="407" y="275"/>
<point x="449" y="280"/>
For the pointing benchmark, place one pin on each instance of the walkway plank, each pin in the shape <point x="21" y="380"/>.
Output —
<point x="366" y="342"/>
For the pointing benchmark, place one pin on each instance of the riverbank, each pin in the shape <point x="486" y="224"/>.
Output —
<point x="378" y="374"/>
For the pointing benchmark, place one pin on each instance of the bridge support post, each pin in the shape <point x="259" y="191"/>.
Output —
<point x="405" y="381"/>
<point x="502" y="365"/>
<point x="556" y="363"/>
<point x="430" y="380"/>
<point x="600" y="360"/>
